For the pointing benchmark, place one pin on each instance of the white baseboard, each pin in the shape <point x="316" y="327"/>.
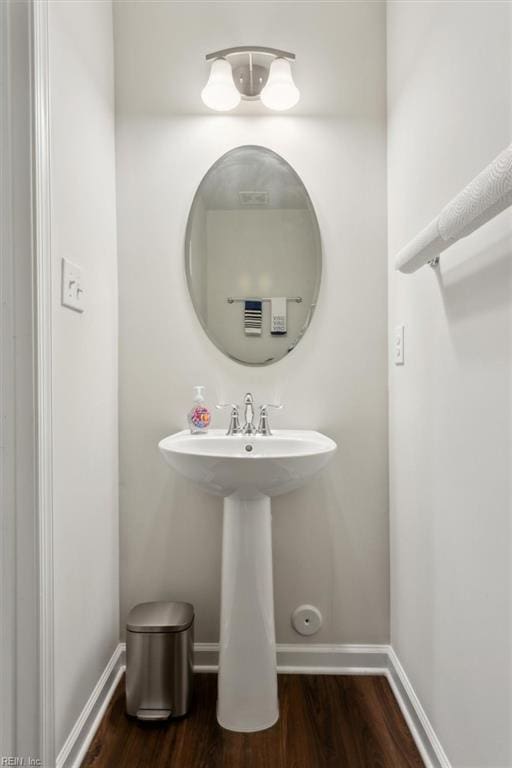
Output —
<point x="316" y="659"/>
<point x="428" y="744"/>
<point x="82" y="733"/>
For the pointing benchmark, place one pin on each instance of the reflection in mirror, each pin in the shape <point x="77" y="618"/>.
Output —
<point x="253" y="256"/>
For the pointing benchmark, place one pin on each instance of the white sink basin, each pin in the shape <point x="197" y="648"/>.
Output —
<point x="226" y="464"/>
<point x="247" y="471"/>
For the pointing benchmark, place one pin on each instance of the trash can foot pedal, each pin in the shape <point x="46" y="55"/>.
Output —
<point x="153" y="714"/>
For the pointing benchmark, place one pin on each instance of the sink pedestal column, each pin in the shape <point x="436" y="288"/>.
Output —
<point x="247" y="685"/>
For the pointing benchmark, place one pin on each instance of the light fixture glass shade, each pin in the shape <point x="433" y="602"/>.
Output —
<point x="220" y="92"/>
<point x="280" y="92"/>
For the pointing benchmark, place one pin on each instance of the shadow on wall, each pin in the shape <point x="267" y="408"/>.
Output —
<point x="476" y="293"/>
<point x="178" y="532"/>
<point x="478" y="283"/>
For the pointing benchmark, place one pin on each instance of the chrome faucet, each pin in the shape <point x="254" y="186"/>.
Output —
<point x="249" y="428"/>
<point x="235" y="428"/>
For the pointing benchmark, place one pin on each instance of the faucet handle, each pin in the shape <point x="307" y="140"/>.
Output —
<point x="234" y="421"/>
<point x="264" y="426"/>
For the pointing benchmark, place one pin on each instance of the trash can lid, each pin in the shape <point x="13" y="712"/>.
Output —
<point x="160" y="617"/>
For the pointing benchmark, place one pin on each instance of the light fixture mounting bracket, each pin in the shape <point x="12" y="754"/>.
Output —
<point x="250" y="65"/>
<point x="275" y="53"/>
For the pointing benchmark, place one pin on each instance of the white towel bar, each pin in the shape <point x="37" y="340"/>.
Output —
<point x="232" y="299"/>
<point x="487" y="195"/>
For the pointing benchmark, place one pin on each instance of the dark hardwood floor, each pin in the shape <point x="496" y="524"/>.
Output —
<point x="326" y="722"/>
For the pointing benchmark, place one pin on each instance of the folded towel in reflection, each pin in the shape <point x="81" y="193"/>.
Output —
<point x="252" y="318"/>
<point x="278" y="316"/>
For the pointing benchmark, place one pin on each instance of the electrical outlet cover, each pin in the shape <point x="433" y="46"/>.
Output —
<point x="398" y="348"/>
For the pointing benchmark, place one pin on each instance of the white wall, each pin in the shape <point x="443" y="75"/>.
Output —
<point x="84" y="353"/>
<point x="331" y="538"/>
<point x="449" y="108"/>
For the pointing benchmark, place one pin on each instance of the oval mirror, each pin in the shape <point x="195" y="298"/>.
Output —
<point x="253" y="256"/>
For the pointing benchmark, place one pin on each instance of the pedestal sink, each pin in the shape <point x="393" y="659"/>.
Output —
<point x="247" y="471"/>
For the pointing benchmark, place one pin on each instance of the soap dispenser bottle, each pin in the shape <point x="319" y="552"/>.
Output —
<point x="199" y="416"/>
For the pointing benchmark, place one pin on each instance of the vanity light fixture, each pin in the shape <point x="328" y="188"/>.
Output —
<point x="250" y="73"/>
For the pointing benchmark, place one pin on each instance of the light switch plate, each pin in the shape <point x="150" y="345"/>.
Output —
<point x="398" y="345"/>
<point x="72" y="286"/>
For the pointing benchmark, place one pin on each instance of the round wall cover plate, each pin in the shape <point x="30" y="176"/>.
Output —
<point x="306" y="620"/>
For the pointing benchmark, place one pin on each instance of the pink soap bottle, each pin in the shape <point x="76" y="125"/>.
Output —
<point x="199" y="416"/>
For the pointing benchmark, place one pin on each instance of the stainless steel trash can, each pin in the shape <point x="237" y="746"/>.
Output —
<point x="159" y="648"/>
